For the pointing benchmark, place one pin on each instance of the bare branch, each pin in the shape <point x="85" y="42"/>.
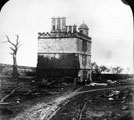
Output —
<point x="12" y="49"/>
<point x="4" y="42"/>
<point x="8" y="40"/>
<point x="17" y="40"/>
<point x="20" y="45"/>
<point x="11" y="53"/>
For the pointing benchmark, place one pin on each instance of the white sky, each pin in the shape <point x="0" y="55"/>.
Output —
<point x="110" y="25"/>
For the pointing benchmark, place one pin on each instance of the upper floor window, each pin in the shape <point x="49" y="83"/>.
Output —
<point x="84" y="45"/>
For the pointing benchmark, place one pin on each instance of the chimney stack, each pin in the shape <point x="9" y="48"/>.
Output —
<point x="70" y="28"/>
<point x="53" y="24"/>
<point x="63" y="24"/>
<point x="74" y="28"/>
<point x="58" y="23"/>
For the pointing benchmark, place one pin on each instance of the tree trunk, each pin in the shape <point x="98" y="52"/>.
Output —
<point x="15" y="70"/>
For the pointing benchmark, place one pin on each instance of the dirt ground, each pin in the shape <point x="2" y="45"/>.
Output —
<point x="112" y="104"/>
<point x="71" y="102"/>
<point x="25" y="105"/>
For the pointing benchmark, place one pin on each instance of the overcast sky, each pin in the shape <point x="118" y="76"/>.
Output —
<point x="110" y="25"/>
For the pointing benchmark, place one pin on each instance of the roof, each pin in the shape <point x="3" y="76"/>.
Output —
<point x="83" y="26"/>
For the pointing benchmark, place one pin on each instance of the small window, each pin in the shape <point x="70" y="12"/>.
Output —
<point x="53" y="27"/>
<point x="84" y="59"/>
<point x="84" y="46"/>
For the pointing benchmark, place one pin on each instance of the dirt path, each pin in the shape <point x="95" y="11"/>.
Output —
<point x="44" y="111"/>
<point x="107" y="88"/>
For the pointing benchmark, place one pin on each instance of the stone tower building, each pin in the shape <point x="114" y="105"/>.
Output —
<point x="64" y="52"/>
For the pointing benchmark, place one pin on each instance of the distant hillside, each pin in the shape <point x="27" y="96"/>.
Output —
<point x="19" y="66"/>
<point x="6" y="69"/>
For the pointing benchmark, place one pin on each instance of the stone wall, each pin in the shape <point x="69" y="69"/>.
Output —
<point x="80" y="48"/>
<point x="57" y="45"/>
<point x="51" y="66"/>
<point x="63" y="56"/>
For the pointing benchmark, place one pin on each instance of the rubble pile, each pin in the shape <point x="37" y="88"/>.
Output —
<point x="119" y="95"/>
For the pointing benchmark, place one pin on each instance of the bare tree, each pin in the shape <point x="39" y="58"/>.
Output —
<point x="14" y="49"/>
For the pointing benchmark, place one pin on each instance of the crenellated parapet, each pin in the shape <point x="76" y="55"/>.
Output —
<point x="43" y="34"/>
<point x="56" y="34"/>
<point x="68" y="34"/>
